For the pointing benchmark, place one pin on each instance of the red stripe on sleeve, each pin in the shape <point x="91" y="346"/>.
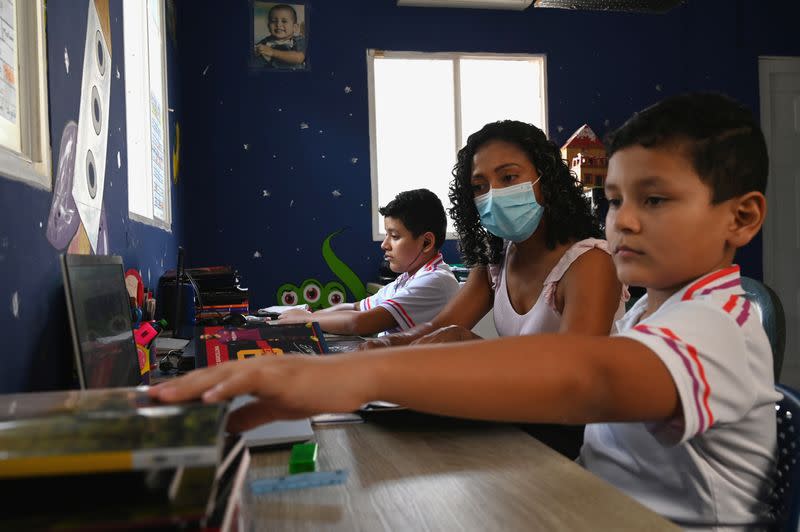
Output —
<point x="693" y="353"/>
<point x="402" y="311"/>
<point x="730" y="303"/>
<point x="700" y="283"/>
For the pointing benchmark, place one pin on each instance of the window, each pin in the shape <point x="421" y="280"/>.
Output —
<point x="24" y="129"/>
<point x="423" y="106"/>
<point x="146" y="113"/>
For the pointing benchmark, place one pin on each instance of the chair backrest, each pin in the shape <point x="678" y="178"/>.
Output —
<point x="772" y="318"/>
<point x="786" y="497"/>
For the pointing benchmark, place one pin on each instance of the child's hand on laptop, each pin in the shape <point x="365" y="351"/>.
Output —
<point x="292" y="387"/>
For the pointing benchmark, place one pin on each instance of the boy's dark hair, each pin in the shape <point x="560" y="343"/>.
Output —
<point x="567" y="212"/>
<point x="721" y="138"/>
<point x="282" y="6"/>
<point x="420" y="211"/>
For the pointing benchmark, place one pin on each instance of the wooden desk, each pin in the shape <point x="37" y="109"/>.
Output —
<point x="459" y="477"/>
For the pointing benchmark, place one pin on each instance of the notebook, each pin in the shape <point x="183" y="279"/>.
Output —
<point x="276" y="432"/>
<point x="215" y="344"/>
<point x="98" y="309"/>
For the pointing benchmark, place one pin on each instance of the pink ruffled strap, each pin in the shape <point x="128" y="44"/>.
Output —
<point x="571" y="255"/>
<point x="549" y="293"/>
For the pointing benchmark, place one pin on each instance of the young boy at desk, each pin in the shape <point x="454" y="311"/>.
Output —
<point x="415" y="225"/>
<point x="680" y="401"/>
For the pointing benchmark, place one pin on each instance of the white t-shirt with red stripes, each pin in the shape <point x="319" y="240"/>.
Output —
<point x="711" y="466"/>
<point x="415" y="299"/>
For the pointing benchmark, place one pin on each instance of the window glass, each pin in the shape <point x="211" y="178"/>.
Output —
<point x="423" y="106"/>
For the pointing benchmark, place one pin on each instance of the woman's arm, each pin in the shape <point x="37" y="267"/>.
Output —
<point x="470" y="304"/>
<point x="590" y="294"/>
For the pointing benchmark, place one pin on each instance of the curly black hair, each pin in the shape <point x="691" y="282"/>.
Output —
<point x="567" y="212"/>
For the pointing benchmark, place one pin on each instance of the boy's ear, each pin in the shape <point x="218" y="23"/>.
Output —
<point x="428" y="241"/>
<point x="748" y="212"/>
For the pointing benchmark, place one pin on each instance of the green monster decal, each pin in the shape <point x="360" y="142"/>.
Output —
<point x="316" y="295"/>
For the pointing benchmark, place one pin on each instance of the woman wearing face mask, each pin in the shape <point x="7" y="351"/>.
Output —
<point x="533" y="244"/>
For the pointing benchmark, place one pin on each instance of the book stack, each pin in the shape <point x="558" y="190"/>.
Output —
<point x="217" y="344"/>
<point x="114" y="458"/>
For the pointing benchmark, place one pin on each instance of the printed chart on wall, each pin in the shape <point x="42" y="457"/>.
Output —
<point x="156" y="112"/>
<point x="9" y="95"/>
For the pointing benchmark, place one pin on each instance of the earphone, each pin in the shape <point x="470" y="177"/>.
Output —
<point x="175" y="360"/>
<point x="425" y="243"/>
<point x="170" y="361"/>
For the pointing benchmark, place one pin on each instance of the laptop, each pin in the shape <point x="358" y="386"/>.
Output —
<point x="98" y="309"/>
<point x="275" y="432"/>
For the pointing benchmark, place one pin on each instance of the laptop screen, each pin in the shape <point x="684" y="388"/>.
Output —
<point x="100" y="321"/>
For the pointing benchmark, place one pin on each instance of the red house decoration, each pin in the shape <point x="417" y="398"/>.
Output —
<point x="586" y="156"/>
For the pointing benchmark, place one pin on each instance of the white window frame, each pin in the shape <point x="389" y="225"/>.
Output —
<point x="378" y="232"/>
<point x="32" y="163"/>
<point x="137" y="111"/>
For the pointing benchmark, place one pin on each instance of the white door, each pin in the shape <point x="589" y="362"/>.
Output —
<point x="779" y="81"/>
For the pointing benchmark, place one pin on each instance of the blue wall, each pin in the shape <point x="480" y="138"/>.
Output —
<point x="36" y="353"/>
<point x="601" y="68"/>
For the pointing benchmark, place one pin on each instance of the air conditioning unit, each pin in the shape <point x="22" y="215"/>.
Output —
<point x="517" y="5"/>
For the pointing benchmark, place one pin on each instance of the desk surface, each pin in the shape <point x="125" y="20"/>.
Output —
<point x="460" y="477"/>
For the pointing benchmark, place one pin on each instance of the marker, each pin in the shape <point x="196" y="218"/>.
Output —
<point x="299" y="481"/>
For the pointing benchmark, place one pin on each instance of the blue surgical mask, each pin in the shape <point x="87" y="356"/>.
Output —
<point x="511" y="213"/>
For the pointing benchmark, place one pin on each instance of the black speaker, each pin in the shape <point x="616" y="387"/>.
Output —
<point x="165" y="307"/>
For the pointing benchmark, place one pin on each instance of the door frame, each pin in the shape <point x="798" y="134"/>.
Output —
<point x="768" y="65"/>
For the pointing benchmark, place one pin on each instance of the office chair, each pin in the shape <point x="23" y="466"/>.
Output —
<point x="786" y="497"/>
<point x="773" y="319"/>
<point x="636" y="293"/>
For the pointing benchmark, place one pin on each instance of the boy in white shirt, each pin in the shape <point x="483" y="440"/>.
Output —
<point x="415" y="225"/>
<point x="710" y="464"/>
<point x="682" y="400"/>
